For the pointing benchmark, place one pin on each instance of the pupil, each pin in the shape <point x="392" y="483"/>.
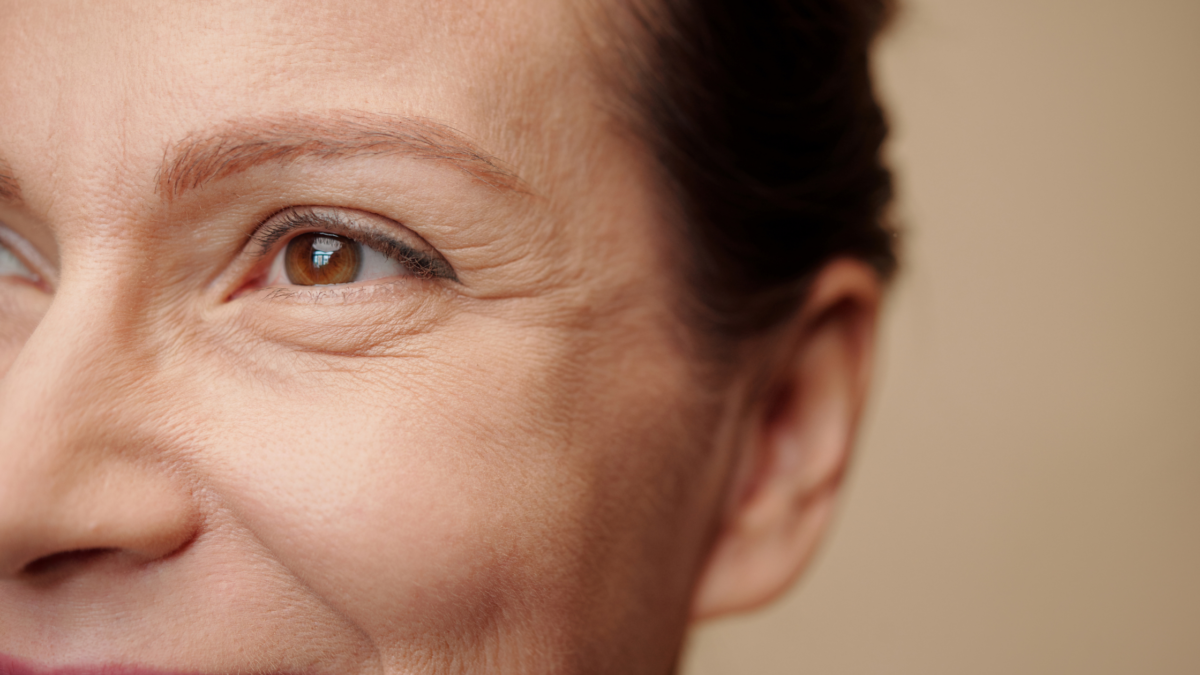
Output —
<point x="323" y="249"/>
<point x="322" y="259"/>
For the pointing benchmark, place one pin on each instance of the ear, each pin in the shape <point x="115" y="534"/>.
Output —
<point x="797" y="433"/>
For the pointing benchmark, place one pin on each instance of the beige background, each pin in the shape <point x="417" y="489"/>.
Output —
<point x="1026" y="497"/>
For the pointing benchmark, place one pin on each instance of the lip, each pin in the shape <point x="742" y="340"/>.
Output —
<point x="12" y="666"/>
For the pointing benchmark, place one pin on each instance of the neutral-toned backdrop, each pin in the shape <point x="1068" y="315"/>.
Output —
<point x="1026" y="497"/>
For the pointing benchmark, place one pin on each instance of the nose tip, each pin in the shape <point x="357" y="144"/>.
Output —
<point x="56" y="518"/>
<point x="90" y="462"/>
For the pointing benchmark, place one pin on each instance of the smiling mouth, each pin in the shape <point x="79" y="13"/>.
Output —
<point x="12" y="666"/>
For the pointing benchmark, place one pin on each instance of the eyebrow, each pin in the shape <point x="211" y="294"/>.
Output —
<point x="238" y="145"/>
<point x="10" y="189"/>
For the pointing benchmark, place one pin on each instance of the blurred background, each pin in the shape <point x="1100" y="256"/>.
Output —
<point x="1026" y="495"/>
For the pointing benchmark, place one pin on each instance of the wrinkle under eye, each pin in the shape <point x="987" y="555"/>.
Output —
<point x="320" y="258"/>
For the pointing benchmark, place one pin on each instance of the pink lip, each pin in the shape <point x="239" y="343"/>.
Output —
<point x="11" y="666"/>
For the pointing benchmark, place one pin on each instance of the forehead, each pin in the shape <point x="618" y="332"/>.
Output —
<point x="134" y="76"/>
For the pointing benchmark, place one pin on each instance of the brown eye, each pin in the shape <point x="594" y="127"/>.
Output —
<point x="312" y="255"/>
<point x="319" y="258"/>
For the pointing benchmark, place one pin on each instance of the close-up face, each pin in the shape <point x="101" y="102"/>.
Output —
<point x="341" y="338"/>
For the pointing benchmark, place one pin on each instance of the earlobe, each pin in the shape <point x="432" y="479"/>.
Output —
<point x="796" y="444"/>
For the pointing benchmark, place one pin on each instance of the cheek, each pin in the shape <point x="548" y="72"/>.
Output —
<point x="368" y="495"/>
<point x="425" y="496"/>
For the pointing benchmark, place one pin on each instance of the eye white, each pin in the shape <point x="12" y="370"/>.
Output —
<point x="11" y="265"/>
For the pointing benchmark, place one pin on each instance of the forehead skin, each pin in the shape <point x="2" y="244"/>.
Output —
<point x="514" y="76"/>
<point x="498" y="476"/>
<point x="134" y="77"/>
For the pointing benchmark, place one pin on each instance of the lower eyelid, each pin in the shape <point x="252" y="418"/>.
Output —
<point x="339" y="294"/>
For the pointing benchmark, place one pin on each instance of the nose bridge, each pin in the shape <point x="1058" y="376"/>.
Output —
<point x="85" y="463"/>
<point x="82" y="360"/>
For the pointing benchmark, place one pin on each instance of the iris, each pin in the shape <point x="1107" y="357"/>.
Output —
<point x="319" y="259"/>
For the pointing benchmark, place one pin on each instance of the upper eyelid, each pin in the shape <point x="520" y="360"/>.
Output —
<point x="271" y="231"/>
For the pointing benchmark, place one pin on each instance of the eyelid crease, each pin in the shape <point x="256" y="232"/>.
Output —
<point x="294" y="220"/>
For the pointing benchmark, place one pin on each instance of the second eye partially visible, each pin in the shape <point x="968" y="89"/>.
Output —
<point x="20" y="261"/>
<point x="12" y="266"/>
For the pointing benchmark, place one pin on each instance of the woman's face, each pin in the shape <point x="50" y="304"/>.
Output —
<point x="480" y="445"/>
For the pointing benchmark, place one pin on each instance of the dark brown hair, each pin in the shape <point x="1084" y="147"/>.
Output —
<point x="763" y="118"/>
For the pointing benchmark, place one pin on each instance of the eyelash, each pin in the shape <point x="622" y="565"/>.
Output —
<point x="298" y="220"/>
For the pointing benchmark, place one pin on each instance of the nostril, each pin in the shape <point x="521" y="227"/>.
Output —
<point x="65" y="560"/>
<point x="59" y="519"/>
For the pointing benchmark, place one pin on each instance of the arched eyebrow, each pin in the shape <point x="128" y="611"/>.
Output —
<point x="10" y="189"/>
<point x="238" y="145"/>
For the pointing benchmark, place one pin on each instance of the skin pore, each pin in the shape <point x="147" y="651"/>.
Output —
<point x="513" y="466"/>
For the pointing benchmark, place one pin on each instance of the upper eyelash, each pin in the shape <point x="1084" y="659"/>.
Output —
<point x="275" y="228"/>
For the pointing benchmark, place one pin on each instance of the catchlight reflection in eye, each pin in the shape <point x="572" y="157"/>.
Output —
<point x="320" y="259"/>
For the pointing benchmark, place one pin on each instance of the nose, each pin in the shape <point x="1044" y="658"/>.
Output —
<point x="85" y="473"/>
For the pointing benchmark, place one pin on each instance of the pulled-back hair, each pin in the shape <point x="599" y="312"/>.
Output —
<point x="764" y="121"/>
